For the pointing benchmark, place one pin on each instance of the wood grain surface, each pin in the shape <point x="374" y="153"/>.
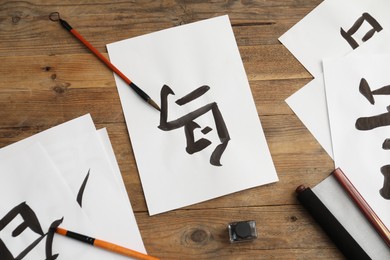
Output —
<point x="47" y="77"/>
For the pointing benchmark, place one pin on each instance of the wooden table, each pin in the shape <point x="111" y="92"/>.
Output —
<point x="47" y="77"/>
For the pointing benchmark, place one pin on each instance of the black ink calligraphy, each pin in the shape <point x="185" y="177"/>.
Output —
<point x="372" y="122"/>
<point x="385" y="191"/>
<point x="187" y="121"/>
<point x="30" y="221"/>
<point x="365" y="90"/>
<point x="386" y="144"/>
<point x="347" y="35"/>
<point x="82" y="189"/>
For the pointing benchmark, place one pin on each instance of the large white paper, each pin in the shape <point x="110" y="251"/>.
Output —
<point x="318" y="36"/>
<point x="35" y="195"/>
<point x="131" y="223"/>
<point x="186" y="58"/>
<point x="349" y="215"/>
<point x="359" y="151"/>
<point x="76" y="149"/>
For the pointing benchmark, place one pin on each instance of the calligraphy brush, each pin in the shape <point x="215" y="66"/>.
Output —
<point x="55" y="16"/>
<point x="104" y="245"/>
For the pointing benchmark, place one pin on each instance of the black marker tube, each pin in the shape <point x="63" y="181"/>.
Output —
<point x="332" y="227"/>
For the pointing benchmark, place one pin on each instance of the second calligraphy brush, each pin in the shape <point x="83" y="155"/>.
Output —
<point x="105" y="245"/>
<point x="56" y="17"/>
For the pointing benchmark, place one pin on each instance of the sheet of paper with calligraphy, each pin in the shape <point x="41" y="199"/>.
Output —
<point x="207" y="141"/>
<point x="36" y="198"/>
<point x="335" y="28"/>
<point x="87" y="164"/>
<point x="358" y="95"/>
<point x="78" y="153"/>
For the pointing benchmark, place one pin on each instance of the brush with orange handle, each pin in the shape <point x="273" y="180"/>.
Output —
<point x="105" y="245"/>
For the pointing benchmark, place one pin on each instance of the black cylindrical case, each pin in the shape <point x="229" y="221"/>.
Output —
<point x="333" y="228"/>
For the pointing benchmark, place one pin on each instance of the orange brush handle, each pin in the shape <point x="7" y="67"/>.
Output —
<point x="111" y="66"/>
<point x="122" y="250"/>
<point x="105" y="245"/>
<point x="100" y="56"/>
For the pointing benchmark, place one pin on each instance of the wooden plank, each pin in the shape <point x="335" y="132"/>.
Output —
<point x="25" y="25"/>
<point x="270" y="95"/>
<point x="284" y="232"/>
<point x="271" y="62"/>
<point x="25" y="108"/>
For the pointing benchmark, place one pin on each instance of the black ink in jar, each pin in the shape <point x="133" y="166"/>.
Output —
<point x="242" y="231"/>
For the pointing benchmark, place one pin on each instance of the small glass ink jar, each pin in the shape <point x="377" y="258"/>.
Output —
<point x="242" y="231"/>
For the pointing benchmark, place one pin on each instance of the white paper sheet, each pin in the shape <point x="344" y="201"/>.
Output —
<point x="318" y="36"/>
<point x="105" y="139"/>
<point x="186" y="58"/>
<point x="349" y="215"/>
<point x="30" y="179"/>
<point x="357" y="151"/>
<point x="75" y="148"/>
<point x="131" y="222"/>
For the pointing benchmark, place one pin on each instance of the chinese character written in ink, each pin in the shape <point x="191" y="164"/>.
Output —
<point x="347" y="35"/>
<point x="30" y="221"/>
<point x="187" y="121"/>
<point x="80" y="194"/>
<point x="372" y="122"/>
